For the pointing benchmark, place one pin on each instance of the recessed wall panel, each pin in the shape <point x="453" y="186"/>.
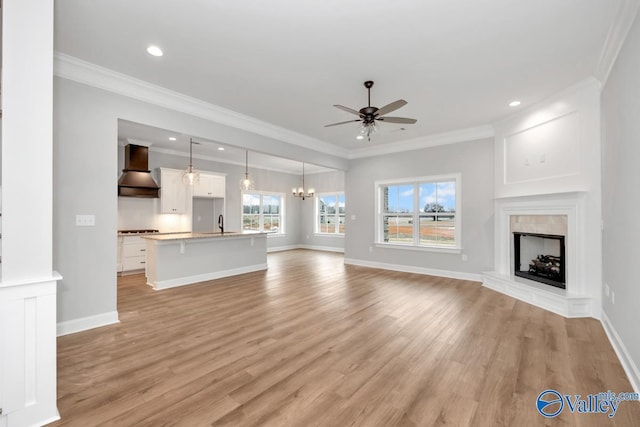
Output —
<point x="547" y="150"/>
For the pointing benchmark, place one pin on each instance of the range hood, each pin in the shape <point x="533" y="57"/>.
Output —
<point x="136" y="179"/>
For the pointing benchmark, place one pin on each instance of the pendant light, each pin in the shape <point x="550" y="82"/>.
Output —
<point x="246" y="183"/>
<point x="299" y="192"/>
<point x="191" y="176"/>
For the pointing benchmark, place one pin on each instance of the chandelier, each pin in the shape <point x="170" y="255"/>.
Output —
<point x="299" y="192"/>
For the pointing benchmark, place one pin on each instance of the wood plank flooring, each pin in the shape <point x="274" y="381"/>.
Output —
<point x="312" y="342"/>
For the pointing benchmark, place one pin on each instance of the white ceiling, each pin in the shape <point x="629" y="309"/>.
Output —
<point x="458" y="63"/>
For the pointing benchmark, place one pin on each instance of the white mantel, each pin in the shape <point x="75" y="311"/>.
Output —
<point x="574" y="301"/>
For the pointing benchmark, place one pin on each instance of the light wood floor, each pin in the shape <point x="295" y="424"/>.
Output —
<point x="314" y="342"/>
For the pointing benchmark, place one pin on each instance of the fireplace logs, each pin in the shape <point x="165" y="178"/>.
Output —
<point x="546" y="266"/>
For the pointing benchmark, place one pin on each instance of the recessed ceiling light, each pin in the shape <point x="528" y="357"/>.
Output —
<point x="154" y="50"/>
<point x="359" y="137"/>
<point x="514" y="103"/>
<point x="172" y="138"/>
<point x="220" y="148"/>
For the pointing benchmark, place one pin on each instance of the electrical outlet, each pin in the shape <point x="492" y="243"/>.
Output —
<point x="613" y="297"/>
<point x="85" y="220"/>
<point x="606" y="289"/>
<point x="464" y="257"/>
<point x="370" y="248"/>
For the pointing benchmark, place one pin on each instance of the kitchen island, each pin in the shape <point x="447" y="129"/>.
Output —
<point x="178" y="259"/>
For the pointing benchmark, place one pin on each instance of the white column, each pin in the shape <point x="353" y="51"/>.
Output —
<point x="28" y="285"/>
<point x="27" y="98"/>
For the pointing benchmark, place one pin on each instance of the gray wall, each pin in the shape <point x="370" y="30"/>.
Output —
<point x="620" y="196"/>
<point x="85" y="175"/>
<point x="474" y="160"/>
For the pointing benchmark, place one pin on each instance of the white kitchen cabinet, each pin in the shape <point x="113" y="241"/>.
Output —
<point x="211" y="186"/>
<point x="173" y="192"/>
<point x="132" y="252"/>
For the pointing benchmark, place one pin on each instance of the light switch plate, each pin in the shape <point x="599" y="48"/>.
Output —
<point x="85" y="220"/>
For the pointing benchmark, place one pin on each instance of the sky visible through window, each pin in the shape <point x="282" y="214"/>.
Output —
<point x="329" y="203"/>
<point x="441" y="193"/>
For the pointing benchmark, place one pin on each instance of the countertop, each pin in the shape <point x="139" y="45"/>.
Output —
<point x="130" y="234"/>
<point x="185" y="236"/>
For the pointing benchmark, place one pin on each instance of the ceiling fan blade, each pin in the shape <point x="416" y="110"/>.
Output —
<point x="342" y="123"/>
<point x="391" y="107"/>
<point x="397" y="120"/>
<point x="348" y="110"/>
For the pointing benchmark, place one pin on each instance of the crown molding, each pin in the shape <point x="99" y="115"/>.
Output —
<point x="72" y="68"/>
<point x="618" y="32"/>
<point x="445" y="138"/>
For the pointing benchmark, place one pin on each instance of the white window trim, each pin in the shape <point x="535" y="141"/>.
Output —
<point x="457" y="177"/>
<point x="283" y="198"/>
<point x="317" y="214"/>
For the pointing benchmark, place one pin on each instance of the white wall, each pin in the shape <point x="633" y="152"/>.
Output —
<point x="551" y="147"/>
<point x="621" y="201"/>
<point x="474" y="160"/>
<point x="85" y="182"/>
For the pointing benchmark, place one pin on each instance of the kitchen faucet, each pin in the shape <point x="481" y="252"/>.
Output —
<point x="221" y="223"/>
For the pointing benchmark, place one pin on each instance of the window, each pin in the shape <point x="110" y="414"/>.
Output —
<point x="263" y="212"/>
<point x="330" y="213"/>
<point x="420" y="212"/>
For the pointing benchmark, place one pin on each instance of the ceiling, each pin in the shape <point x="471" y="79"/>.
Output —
<point x="458" y="63"/>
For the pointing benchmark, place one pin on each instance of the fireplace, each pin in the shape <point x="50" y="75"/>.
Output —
<point x="540" y="257"/>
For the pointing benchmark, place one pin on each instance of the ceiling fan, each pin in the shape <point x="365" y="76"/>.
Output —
<point x="369" y="115"/>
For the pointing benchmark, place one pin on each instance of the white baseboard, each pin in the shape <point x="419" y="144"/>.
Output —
<point x="322" y="248"/>
<point x="82" y="324"/>
<point x="633" y="373"/>
<point x="190" y="280"/>
<point x="282" y="248"/>
<point x="309" y="247"/>
<point x="417" y="270"/>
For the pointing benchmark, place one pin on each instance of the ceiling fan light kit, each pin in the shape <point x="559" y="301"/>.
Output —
<point x="370" y="115"/>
